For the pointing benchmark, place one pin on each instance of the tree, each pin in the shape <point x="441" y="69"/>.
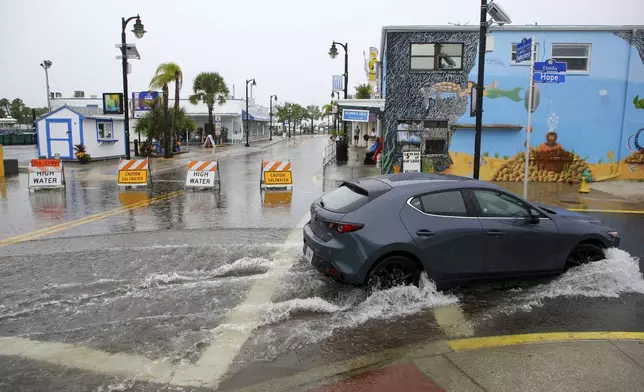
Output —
<point x="281" y="112"/>
<point x="167" y="73"/>
<point x="314" y="113"/>
<point x="5" y="108"/>
<point x="209" y="87"/>
<point x="298" y="113"/>
<point x="363" y="91"/>
<point x="17" y="110"/>
<point x="151" y="124"/>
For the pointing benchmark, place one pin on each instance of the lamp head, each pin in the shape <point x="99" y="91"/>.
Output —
<point x="138" y="29"/>
<point x="333" y="52"/>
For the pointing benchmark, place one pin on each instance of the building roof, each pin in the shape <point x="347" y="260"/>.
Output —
<point x="85" y="112"/>
<point x="508" y="27"/>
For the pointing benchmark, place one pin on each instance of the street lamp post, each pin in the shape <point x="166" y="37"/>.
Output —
<point x="290" y="112"/>
<point x="247" y="115"/>
<point x="46" y="65"/>
<point x="499" y="16"/>
<point x="333" y="52"/>
<point x="138" y="31"/>
<point x="270" y="126"/>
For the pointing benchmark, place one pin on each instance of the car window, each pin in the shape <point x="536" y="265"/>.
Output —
<point x="497" y="204"/>
<point x="343" y="199"/>
<point x="441" y="203"/>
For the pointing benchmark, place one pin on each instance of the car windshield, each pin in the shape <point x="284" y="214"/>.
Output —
<point x="346" y="198"/>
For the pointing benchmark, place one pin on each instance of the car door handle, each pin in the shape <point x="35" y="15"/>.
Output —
<point x="424" y="233"/>
<point x="495" y="233"/>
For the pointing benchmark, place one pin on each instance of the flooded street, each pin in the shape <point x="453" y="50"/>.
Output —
<point x="201" y="290"/>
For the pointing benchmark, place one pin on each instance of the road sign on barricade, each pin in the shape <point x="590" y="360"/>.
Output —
<point x="134" y="172"/>
<point x="203" y="174"/>
<point x="276" y="174"/>
<point x="46" y="174"/>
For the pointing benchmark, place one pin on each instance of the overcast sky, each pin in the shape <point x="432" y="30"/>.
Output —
<point x="283" y="44"/>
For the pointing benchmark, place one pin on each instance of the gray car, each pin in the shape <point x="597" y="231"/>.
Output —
<point x="386" y="230"/>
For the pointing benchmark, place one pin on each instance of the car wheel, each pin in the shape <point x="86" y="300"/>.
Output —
<point x="584" y="253"/>
<point x="393" y="271"/>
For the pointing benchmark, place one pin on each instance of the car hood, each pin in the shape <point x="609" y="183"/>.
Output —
<point x="570" y="215"/>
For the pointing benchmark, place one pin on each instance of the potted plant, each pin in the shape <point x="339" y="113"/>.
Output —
<point x="81" y="153"/>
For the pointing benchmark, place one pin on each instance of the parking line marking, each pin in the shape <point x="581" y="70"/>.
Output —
<point x="512" y="340"/>
<point x="217" y="358"/>
<point x="84" y="220"/>
<point x="606" y="211"/>
<point x="451" y="320"/>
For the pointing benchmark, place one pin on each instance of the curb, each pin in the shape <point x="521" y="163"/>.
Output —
<point x="349" y="368"/>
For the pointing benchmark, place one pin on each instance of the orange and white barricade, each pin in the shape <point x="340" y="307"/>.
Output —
<point x="276" y="174"/>
<point x="46" y="174"/>
<point x="203" y="174"/>
<point x="134" y="172"/>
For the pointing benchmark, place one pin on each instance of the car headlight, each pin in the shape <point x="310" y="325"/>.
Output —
<point x="613" y="234"/>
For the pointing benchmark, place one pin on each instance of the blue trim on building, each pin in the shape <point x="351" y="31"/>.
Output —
<point x="37" y="138"/>
<point x="98" y="138"/>
<point x="80" y="128"/>
<point x="68" y="139"/>
<point x="58" y="110"/>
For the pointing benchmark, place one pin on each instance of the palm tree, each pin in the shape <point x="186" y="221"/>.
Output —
<point x="363" y="91"/>
<point x="167" y="73"/>
<point x="314" y="114"/>
<point x="209" y="87"/>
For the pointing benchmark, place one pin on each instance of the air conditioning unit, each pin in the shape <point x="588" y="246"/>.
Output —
<point x="93" y="96"/>
<point x="58" y="95"/>
<point x="79" y="94"/>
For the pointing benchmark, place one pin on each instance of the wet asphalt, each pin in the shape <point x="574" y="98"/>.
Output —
<point x="156" y="281"/>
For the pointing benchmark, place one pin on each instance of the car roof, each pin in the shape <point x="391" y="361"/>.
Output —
<point x="429" y="181"/>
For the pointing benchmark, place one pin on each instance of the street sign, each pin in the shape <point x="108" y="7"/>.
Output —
<point x="278" y="178"/>
<point x="411" y="162"/>
<point x="202" y="174"/>
<point x="133" y="172"/>
<point x="524" y="50"/>
<point x="550" y="65"/>
<point x="46" y="174"/>
<point x="546" y="77"/>
<point x="355" y="115"/>
<point x="45" y="162"/>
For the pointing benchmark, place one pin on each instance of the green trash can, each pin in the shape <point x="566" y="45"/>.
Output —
<point x="2" y="140"/>
<point x="8" y="140"/>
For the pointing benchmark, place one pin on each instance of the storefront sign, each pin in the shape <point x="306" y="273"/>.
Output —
<point x="355" y="115"/>
<point x="112" y="103"/>
<point x="411" y="161"/>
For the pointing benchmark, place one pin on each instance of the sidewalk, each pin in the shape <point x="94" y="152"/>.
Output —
<point x="591" y="361"/>
<point x="353" y="169"/>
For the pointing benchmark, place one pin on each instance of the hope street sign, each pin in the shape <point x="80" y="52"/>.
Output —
<point x="524" y="49"/>
<point x="545" y="77"/>
<point x="355" y="115"/>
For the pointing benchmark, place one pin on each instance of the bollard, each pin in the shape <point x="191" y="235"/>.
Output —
<point x="584" y="188"/>
<point x="1" y="162"/>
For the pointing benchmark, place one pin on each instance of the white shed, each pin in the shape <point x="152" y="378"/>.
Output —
<point x="59" y="131"/>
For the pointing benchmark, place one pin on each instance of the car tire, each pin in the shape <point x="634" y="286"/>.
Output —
<point x="393" y="271"/>
<point x="584" y="253"/>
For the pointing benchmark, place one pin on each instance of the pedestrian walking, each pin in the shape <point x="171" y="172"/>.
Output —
<point x="356" y="136"/>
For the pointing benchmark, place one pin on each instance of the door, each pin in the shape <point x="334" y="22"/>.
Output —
<point x="514" y="243"/>
<point x="59" y="137"/>
<point x="447" y="233"/>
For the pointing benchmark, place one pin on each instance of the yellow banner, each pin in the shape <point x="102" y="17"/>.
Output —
<point x="278" y="178"/>
<point x="133" y="176"/>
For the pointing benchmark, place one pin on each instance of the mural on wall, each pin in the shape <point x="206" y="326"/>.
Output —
<point x="420" y="95"/>
<point x="434" y="101"/>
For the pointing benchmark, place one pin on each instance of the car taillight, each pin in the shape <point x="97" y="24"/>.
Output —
<point x="342" y="228"/>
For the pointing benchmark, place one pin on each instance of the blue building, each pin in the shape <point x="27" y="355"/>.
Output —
<point x="589" y="123"/>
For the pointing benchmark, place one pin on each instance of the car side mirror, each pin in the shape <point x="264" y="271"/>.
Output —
<point x="534" y="216"/>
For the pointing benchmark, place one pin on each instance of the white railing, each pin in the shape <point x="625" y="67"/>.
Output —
<point x="328" y="156"/>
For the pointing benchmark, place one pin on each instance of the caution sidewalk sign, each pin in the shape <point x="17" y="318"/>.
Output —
<point x="203" y="174"/>
<point x="134" y="172"/>
<point x="46" y="174"/>
<point x="276" y="174"/>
